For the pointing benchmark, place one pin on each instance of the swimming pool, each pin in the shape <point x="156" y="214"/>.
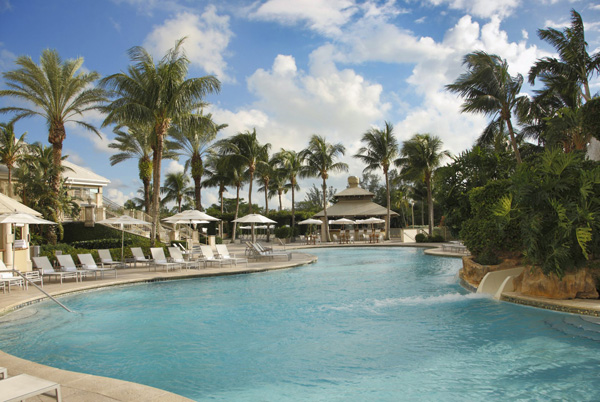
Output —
<point x="381" y="324"/>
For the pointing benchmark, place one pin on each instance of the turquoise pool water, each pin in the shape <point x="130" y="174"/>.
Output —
<point x="360" y="325"/>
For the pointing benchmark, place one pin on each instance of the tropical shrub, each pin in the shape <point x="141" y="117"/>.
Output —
<point x="557" y="204"/>
<point x="421" y="238"/>
<point x="486" y="234"/>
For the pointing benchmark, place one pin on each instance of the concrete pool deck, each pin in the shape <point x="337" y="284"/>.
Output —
<point x="86" y="387"/>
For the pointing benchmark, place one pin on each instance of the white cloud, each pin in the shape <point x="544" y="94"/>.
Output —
<point x="118" y="196"/>
<point x="481" y="8"/>
<point x="75" y="157"/>
<point x="208" y="36"/>
<point x="101" y="143"/>
<point x="324" y="16"/>
<point x="174" y="167"/>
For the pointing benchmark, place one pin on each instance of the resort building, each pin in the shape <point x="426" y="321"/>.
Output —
<point x="354" y="203"/>
<point x="85" y="187"/>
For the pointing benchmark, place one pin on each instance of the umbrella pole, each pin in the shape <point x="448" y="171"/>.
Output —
<point x="252" y="231"/>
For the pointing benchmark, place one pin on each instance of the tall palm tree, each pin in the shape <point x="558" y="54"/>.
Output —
<point x="195" y="144"/>
<point x="157" y="94"/>
<point x="380" y="152"/>
<point x="421" y="155"/>
<point x="176" y="189"/>
<point x="136" y="142"/>
<point x="488" y="88"/>
<point x="11" y="150"/>
<point x="58" y="92"/>
<point x="265" y="172"/>
<point x="575" y="64"/>
<point x="244" y="149"/>
<point x="237" y="178"/>
<point x="218" y="176"/>
<point x="277" y="185"/>
<point x="321" y="159"/>
<point x="292" y="164"/>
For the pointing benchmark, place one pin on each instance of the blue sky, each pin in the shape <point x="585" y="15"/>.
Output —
<point x="293" y="68"/>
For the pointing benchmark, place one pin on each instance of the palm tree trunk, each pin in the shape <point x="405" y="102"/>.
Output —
<point x="156" y="161"/>
<point x="325" y="210"/>
<point x="237" y="208"/>
<point x="279" y="192"/>
<point x="430" y="206"/>
<point x="293" y="211"/>
<point x="10" y="189"/>
<point x="197" y="192"/>
<point x="221" y="191"/>
<point x="147" y="200"/>
<point x="513" y="141"/>
<point x="250" y="193"/>
<point x="267" y="209"/>
<point x="387" y="187"/>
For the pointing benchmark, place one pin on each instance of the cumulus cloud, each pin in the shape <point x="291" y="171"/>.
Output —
<point x="174" y="167"/>
<point x="207" y="37"/>
<point x="481" y="8"/>
<point x="324" y="16"/>
<point x="117" y="195"/>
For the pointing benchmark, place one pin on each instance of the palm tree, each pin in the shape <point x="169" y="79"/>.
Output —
<point x="35" y="175"/>
<point x="488" y="88"/>
<point x="320" y="161"/>
<point x="277" y="185"/>
<point x="57" y="92"/>
<point x="421" y="155"/>
<point x="11" y="150"/>
<point x="381" y="151"/>
<point x="292" y="164"/>
<point x="237" y="179"/>
<point x="195" y="145"/>
<point x="176" y="189"/>
<point x="135" y="143"/>
<point x="218" y="176"/>
<point x="574" y="64"/>
<point x="159" y="95"/>
<point x="244" y="149"/>
<point x="265" y="172"/>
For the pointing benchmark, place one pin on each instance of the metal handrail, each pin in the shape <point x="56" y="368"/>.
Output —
<point x="14" y="271"/>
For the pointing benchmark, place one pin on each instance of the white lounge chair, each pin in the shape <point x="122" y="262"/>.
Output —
<point x="209" y="257"/>
<point x="138" y="256"/>
<point x="224" y="254"/>
<point x="177" y="256"/>
<point x="24" y="386"/>
<point x="160" y="260"/>
<point x="88" y="264"/>
<point x="8" y="278"/>
<point x="106" y="259"/>
<point x="45" y="267"/>
<point x="259" y="251"/>
<point x="33" y="277"/>
<point x="67" y="264"/>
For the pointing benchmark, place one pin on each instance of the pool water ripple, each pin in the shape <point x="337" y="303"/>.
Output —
<point x="361" y="324"/>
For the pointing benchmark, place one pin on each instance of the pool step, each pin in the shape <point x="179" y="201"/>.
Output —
<point x="577" y="326"/>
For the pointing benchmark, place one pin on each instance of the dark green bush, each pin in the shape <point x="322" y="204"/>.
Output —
<point x="436" y="238"/>
<point x="102" y="243"/>
<point x="283" y="232"/>
<point x="421" y="238"/>
<point x="485" y="234"/>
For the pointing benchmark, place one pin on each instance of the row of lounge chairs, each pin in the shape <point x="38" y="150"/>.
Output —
<point x="199" y="257"/>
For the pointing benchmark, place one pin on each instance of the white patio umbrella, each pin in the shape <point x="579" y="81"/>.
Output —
<point x="122" y="221"/>
<point x="342" y="221"/>
<point x="22" y="218"/>
<point x="311" y="221"/>
<point x="191" y="216"/>
<point x="252" y="219"/>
